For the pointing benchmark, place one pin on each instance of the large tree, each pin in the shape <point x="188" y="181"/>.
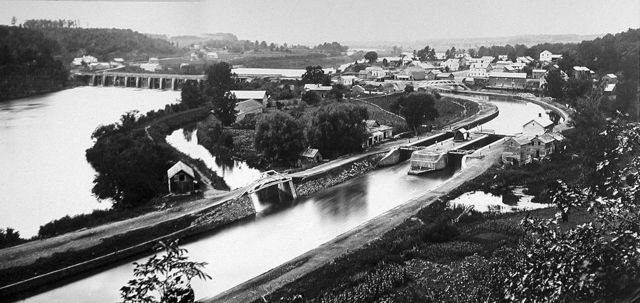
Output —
<point x="279" y="137"/>
<point x="191" y="95"/>
<point x="417" y="109"/>
<point x="315" y="75"/>
<point x="219" y="83"/>
<point x="337" y="129"/>
<point x="555" y="84"/>
<point x="371" y="56"/>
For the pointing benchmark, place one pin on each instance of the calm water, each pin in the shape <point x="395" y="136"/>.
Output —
<point x="240" y="252"/>
<point x="235" y="173"/>
<point x="43" y="140"/>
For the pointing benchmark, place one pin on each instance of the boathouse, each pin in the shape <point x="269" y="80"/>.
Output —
<point x="181" y="178"/>
<point x="309" y="157"/>
<point x="461" y="135"/>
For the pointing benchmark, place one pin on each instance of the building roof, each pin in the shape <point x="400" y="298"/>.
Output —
<point x="317" y="87"/>
<point x="508" y="75"/>
<point x="557" y="136"/>
<point x="248" y="106"/>
<point x="178" y="167"/>
<point x="249" y="94"/>
<point x="444" y="75"/>
<point x="581" y="69"/>
<point x="545" y="138"/>
<point x="544" y="122"/>
<point x="612" y="76"/>
<point x="462" y="130"/>
<point x="522" y="139"/>
<point x="309" y="153"/>
<point x="609" y="87"/>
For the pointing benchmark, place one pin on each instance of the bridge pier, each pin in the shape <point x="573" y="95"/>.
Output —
<point x="104" y="80"/>
<point x="173" y="83"/>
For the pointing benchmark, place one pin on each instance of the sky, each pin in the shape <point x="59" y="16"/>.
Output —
<point x="298" y="21"/>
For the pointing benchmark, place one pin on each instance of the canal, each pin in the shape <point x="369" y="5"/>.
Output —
<point x="244" y="250"/>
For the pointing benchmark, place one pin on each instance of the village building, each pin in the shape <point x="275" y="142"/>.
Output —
<point x="503" y="57"/>
<point x="581" y="73"/>
<point x="460" y="135"/>
<point x="445" y="76"/>
<point x="504" y="80"/>
<point x="377" y="132"/>
<point x="181" y="179"/>
<point x="244" y="108"/>
<point x="610" y="79"/>
<point x="322" y="90"/>
<point x="309" y="157"/>
<point x="547" y="56"/>
<point x="537" y="126"/>
<point x="451" y="64"/>
<point x="441" y="56"/>
<point x="516" y="150"/>
<point x="347" y="80"/>
<point x="84" y="60"/>
<point x="375" y="72"/>
<point x="609" y="91"/>
<point x="538" y="73"/>
<point x="257" y="95"/>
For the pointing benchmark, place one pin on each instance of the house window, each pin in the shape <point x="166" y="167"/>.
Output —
<point x="181" y="178"/>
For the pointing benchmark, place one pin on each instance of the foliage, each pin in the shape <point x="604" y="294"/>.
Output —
<point x="409" y="89"/>
<point x="165" y="279"/>
<point x="311" y="98"/>
<point x="219" y="83"/>
<point x="191" y="94"/>
<point x="427" y="53"/>
<point x="249" y="122"/>
<point x="555" y="84"/>
<point x="333" y="48"/>
<point x="371" y="56"/>
<point x="417" y="109"/>
<point x="315" y="75"/>
<point x="214" y="137"/>
<point x="372" y="286"/>
<point x="131" y="167"/>
<point x="337" y="129"/>
<point x="27" y="63"/>
<point x="103" y="43"/>
<point x="9" y="237"/>
<point x="338" y="92"/>
<point x="279" y="137"/>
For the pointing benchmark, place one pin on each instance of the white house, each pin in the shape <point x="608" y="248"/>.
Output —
<point x="452" y="64"/>
<point x="547" y="56"/>
<point x="258" y="95"/>
<point x="347" y="80"/>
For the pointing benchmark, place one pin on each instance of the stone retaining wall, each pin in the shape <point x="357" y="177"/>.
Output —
<point x="335" y="177"/>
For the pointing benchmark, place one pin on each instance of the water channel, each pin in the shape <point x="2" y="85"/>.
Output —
<point x="245" y="250"/>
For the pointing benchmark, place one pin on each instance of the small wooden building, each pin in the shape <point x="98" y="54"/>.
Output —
<point x="181" y="178"/>
<point x="309" y="157"/>
<point x="461" y="135"/>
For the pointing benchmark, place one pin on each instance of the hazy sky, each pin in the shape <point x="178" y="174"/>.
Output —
<point x="331" y="20"/>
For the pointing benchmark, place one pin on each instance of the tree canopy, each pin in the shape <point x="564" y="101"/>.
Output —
<point x="337" y="129"/>
<point x="279" y="137"/>
<point x="315" y="75"/>
<point x="417" y="109"/>
<point x="218" y="86"/>
<point x="371" y="56"/>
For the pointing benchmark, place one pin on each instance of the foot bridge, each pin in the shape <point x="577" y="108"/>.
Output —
<point x="273" y="187"/>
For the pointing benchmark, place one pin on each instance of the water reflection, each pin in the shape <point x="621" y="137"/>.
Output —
<point x="235" y="173"/>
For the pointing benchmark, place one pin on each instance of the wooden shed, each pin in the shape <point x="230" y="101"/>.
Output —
<point x="181" y="178"/>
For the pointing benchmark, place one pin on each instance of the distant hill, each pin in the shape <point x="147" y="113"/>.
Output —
<point x="464" y="43"/>
<point x="102" y="43"/>
<point x="27" y="66"/>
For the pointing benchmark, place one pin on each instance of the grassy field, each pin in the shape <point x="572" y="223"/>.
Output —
<point x="449" y="109"/>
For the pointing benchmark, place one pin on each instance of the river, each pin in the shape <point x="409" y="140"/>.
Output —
<point x="242" y="251"/>
<point x="43" y="140"/>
